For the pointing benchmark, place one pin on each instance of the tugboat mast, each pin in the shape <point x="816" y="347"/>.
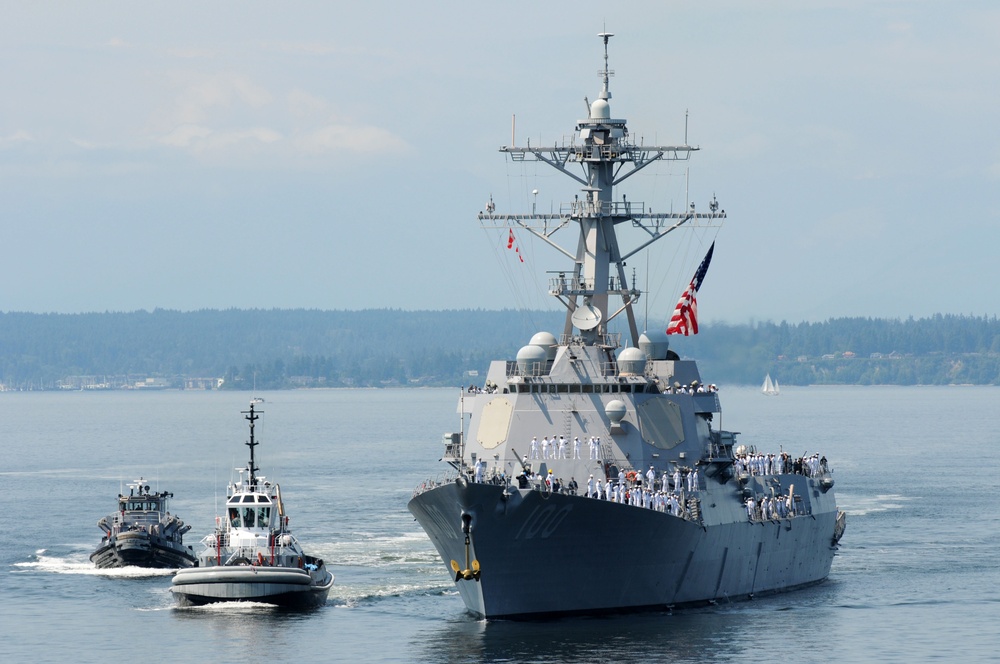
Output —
<point x="252" y="417"/>
<point x="603" y="153"/>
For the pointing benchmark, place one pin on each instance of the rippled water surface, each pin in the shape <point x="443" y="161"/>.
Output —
<point x="917" y="577"/>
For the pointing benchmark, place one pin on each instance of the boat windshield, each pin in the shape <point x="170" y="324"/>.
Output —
<point x="249" y="517"/>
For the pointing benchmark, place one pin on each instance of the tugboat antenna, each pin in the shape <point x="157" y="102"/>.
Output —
<point x="252" y="417"/>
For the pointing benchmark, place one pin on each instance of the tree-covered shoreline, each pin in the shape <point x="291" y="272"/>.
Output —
<point x="279" y="349"/>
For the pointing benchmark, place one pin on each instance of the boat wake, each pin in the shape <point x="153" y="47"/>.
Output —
<point x="80" y="564"/>
<point x="234" y="607"/>
<point x="387" y="551"/>
<point x="367" y="595"/>
<point x="864" y="505"/>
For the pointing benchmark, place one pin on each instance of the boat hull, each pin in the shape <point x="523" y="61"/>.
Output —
<point x="555" y="554"/>
<point x="282" y="586"/>
<point x="140" y="549"/>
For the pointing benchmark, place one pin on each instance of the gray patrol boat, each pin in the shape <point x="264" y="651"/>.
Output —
<point x="143" y="532"/>
<point x="670" y="511"/>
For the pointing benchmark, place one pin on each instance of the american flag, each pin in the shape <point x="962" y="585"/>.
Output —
<point x="685" y="318"/>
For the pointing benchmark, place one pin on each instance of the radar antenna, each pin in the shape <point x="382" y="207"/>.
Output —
<point x="607" y="73"/>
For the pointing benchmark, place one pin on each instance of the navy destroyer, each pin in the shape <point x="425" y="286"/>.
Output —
<point x="590" y="476"/>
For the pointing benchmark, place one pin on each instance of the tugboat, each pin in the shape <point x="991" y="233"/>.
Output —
<point x="252" y="556"/>
<point x="142" y="533"/>
<point x="629" y="496"/>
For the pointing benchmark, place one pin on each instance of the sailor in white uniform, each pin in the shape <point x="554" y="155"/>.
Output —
<point x="534" y="447"/>
<point x="576" y="447"/>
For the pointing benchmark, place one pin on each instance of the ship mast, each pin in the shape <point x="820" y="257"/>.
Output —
<point x="252" y="417"/>
<point x="606" y="156"/>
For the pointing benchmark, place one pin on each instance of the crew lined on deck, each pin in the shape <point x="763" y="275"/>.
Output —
<point x="675" y="493"/>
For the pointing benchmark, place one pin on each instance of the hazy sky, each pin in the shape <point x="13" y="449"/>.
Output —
<point x="334" y="155"/>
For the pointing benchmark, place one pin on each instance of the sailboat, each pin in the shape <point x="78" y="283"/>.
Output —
<point x="770" y="387"/>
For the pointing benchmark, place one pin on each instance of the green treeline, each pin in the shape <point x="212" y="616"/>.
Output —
<point x="940" y="350"/>
<point x="275" y="349"/>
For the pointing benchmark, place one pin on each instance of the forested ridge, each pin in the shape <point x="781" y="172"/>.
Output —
<point x="281" y="348"/>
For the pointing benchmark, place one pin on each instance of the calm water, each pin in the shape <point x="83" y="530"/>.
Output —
<point x="917" y="577"/>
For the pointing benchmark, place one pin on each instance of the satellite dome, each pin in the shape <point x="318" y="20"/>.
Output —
<point x="531" y="361"/>
<point x="655" y="344"/>
<point x="631" y="362"/>
<point x="600" y="110"/>
<point x="547" y="342"/>
<point x="615" y="410"/>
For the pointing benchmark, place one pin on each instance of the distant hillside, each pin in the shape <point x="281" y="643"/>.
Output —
<point x="289" y="348"/>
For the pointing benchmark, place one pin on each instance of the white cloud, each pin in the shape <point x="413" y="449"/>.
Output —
<point x="302" y="104"/>
<point x="183" y="135"/>
<point x="191" y="53"/>
<point x="344" y="137"/>
<point x="199" y="138"/>
<point x="202" y="96"/>
<point x="16" y="138"/>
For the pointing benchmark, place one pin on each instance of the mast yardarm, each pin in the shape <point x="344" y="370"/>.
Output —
<point x="601" y="156"/>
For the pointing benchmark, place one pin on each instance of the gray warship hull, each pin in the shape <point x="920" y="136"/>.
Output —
<point x="555" y="554"/>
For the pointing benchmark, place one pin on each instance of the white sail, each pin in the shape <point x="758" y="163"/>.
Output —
<point x="770" y="387"/>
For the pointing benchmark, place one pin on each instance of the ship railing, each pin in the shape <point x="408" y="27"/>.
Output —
<point x="434" y="482"/>
<point x="529" y="369"/>
<point x="601" y="153"/>
<point x="608" y="339"/>
<point x="589" y="208"/>
<point x="570" y="285"/>
<point x="144" y="518"/>
<point x="690" y="501"/>
<point x="609" y="368"/>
